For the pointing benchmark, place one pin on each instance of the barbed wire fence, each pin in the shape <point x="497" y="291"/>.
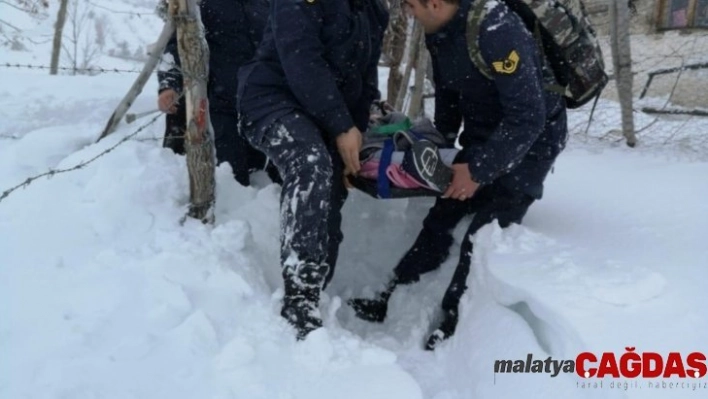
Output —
<point x="130" y="137"/>
<point x="89" y="70"/>
<point x="198" y="137"/>
<point x="199" y="149"/>
<point x="52" y="172"/>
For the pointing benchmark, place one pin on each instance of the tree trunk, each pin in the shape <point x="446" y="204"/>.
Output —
<point x="416" y="107"/>
<point x="139" y="83"/>
<point x="199" y="140"/>
<point x="388" y="33"/>
<point x="395" y="47"/>
<point x="58" y="32"/>
<point x="622" y="62"/>
<point x="412" y="46"/>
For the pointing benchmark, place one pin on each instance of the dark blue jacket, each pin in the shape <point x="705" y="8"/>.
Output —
<point x="233" y="29"/>
<point x="319" y="57"/>
<point x="513" y="129"/>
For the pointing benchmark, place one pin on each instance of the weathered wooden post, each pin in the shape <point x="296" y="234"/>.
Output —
<point x="199" y="135"/>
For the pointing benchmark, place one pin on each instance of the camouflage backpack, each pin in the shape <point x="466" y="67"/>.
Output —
<point x="565" y="36"/>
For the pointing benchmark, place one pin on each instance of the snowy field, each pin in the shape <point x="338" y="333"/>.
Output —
<point x="103" y="294"/>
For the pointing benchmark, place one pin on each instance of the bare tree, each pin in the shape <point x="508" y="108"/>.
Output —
<point x="102" y="30"/>
<point x="58" y="32"/>
<point x="82" y="49"/>
<point x="34" y="8"/>
<point x="394" y="47"/>
<point x="13" y="38"/>
<point x="622" y="62"/>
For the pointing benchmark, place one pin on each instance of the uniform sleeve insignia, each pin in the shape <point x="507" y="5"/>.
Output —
<point x="310" y="1"/>
<point x="507" y="66"/>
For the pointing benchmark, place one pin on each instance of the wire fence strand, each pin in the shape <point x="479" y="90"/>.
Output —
<point x="52" y="172"/>
<point x="92" y="70"/>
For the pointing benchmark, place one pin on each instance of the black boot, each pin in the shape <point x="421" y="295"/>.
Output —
<point x="427" y="253"/>
<point x="374" y="310"/>
<point x="444" y="331"/>
<point x="303" y="286"/>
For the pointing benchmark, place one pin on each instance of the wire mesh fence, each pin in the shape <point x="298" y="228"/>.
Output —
<point x="658" y="45"/>
<point x="670" y="69"/>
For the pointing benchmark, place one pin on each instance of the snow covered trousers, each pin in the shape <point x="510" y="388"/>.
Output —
<point x="312" y="196"/>
<point x="493" y="202"/>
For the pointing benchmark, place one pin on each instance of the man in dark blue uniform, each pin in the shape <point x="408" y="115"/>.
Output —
<point x="233" y="29"/>
<point x="513" y="132"/>
<point x="304" y="101"/>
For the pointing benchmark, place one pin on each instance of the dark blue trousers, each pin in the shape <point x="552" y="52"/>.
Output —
<point x="313" y="191"/>
<point x="493" y="202"/>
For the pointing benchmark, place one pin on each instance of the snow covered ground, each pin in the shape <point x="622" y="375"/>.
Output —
<point x="103" y="294"/>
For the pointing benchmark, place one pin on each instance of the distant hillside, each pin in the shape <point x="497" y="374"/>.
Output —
<point x="97" y="33"/>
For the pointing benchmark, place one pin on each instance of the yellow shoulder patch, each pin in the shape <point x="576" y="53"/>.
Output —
<point x="310" y="1"/>
<point x="509" y="65"/>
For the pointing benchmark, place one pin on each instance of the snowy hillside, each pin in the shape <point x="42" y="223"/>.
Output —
<point x="103" y="294"/>
<point x="97" y="33"/>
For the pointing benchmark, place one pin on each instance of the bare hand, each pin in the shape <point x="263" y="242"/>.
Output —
<point x="462" y="186"/>
<point x="349" y="145"/>
<point x="167" y="101"/>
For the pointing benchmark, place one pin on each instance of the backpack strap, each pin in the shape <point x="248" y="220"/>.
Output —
<point x="474" y="22"/>
<point x="553" y="88"/>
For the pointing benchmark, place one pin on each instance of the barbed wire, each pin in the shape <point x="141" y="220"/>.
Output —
<point x="52" y="172"/>
<point x="146" y="139"/>
<point x="71" y="69"/>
